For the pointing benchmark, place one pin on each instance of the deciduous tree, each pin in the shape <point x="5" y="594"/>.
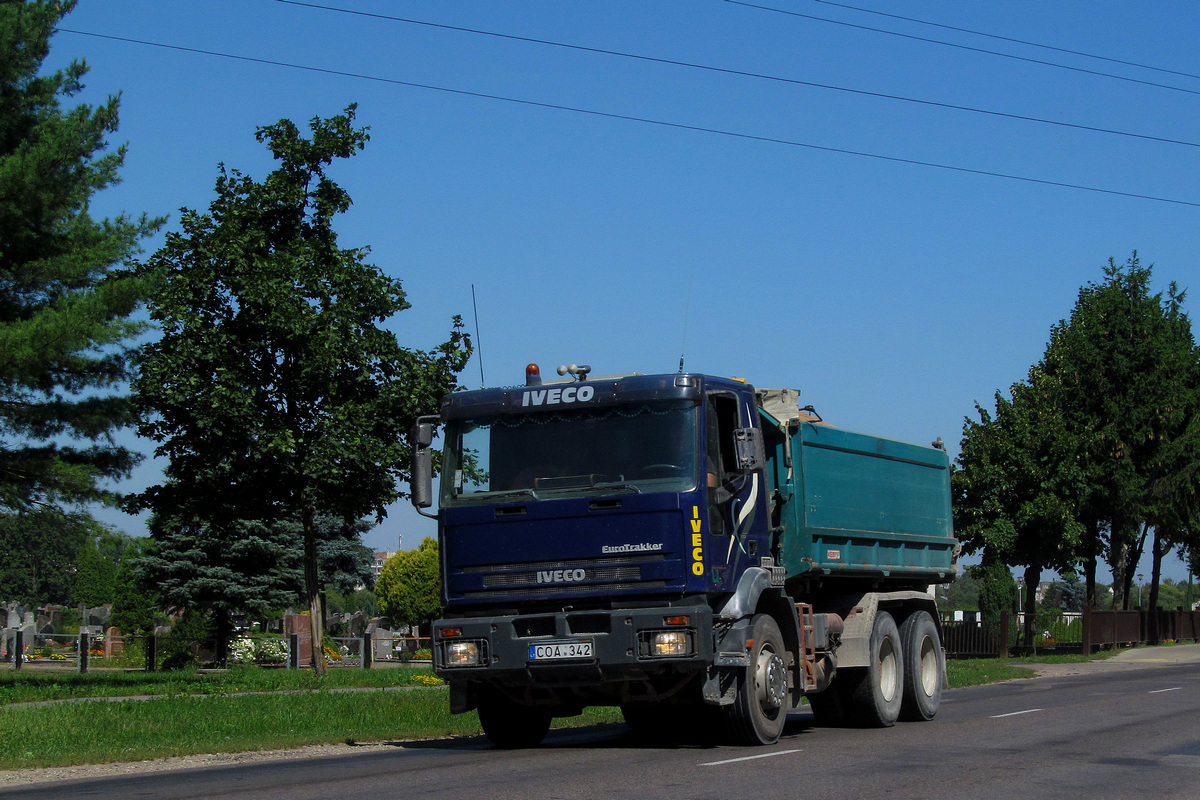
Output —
<point x="409" y="588"/>
<point x="1123" y="369"/>
<point x="1016" y="489"/>
<point x="275" y="391"/>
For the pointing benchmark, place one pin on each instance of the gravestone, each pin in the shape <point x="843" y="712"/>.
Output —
<point x="381" y="642"/>
<point x="301" y="626"/>
<point x="114" y="647"/>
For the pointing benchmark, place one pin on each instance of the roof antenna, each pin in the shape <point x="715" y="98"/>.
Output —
<point x="687" y="311"/>
<point x="478" y="341"/>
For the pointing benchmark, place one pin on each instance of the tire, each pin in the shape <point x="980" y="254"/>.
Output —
<point x="873" y="696"/>
<point x="509" y="725"/>
<point x="923" y="667"/>
<point x="759" y="711"/>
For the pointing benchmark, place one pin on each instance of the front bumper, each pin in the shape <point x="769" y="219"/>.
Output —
<point x="518" y="651"/>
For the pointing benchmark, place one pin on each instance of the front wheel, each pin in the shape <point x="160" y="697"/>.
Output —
<point x="509" y="725"/>
<point x="759" y="712"/>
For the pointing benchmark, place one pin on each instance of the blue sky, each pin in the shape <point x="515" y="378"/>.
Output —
<point x="626" y="211"/>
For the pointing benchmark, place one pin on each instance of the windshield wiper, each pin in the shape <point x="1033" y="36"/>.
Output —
<point x="513" y="493"/>
<point x="617" y="485"/>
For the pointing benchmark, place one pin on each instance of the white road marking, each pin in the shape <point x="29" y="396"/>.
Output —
<point x="1160" y="691"/>
<point x="1015" y="713"/>
<point x="749" y="758"/>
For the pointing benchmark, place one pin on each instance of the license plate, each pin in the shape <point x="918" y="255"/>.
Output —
<point x="560" y="650"/>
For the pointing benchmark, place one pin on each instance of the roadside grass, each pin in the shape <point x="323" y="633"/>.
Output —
<point x="253" y="709"/>
<point x="33" y="685"/>
<point x="978" y="671"/>
<point x="94" y="732"/>
<point x="963" y="672"/>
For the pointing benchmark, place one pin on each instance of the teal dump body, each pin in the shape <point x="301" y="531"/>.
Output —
<point x="861" y="506"/>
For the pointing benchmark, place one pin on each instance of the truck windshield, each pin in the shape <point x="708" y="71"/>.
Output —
<point x="646" y="447"/>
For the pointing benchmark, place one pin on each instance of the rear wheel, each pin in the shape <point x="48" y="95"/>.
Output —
<point x="872" y="696"/>
<point x="510" y="725"/>
<point x="923" y="661"/>
<point x="759" y="711"/>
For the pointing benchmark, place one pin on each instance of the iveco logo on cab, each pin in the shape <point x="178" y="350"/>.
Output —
<point x="560" y="575"/>
<point x="553" y="397"/>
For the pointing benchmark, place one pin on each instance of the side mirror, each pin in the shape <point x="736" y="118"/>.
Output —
<point x="422" y="463"/>
<point x="749" y="449"/>
<point x="422" y="478"/>
<point x="422" y="434"/>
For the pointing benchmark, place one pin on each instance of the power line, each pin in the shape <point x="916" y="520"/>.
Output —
<point x="961" y="46"/>
<point x="1009" y="39"/>
<point x="632" y="118"/>
<point x="745" y="74"/>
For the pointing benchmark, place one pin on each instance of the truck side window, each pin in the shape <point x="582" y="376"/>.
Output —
<point x="721" y="419"/>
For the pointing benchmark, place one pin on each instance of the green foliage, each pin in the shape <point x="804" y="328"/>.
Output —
<point x="133" y="609"/>
<point x="243" y="566"/>
<point x="1067" y="594"/>
<point x="176" y="649"/>
<point x="962" y="595"/>
<point x="351" y="602"/>
<point x="40" y="550"/>
<point x="1016" y="488"/>
<point x="65" y="305"/>
<point x="95" y="576"/>
<point x="997" y="590"/>
<point x="410" y="585"/>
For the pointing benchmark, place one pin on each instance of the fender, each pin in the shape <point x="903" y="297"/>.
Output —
<point x="859" y="613"/>
<point x="744" y="600"/>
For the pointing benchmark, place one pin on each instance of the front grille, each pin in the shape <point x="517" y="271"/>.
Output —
<point x="564" y="588"/>
<point x="578" y="563"/>
<point x="623" y="573"/>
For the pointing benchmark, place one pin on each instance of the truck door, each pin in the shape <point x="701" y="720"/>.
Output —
<point x="736" y="492"/>
<point x="721" y="421"/>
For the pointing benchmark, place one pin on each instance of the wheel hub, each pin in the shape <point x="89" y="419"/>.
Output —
<point x="774" y="684"/>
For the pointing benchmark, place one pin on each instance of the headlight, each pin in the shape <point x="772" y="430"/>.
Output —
<point x="671" y="643"/>
<point x="462" y="654"/>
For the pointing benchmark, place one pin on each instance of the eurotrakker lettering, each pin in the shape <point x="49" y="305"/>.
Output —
<point x="644" y="547"/>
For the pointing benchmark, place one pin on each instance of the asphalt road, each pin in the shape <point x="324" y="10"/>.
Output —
<point x="1125" y="728"/>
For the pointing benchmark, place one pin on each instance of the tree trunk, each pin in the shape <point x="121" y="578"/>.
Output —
<point x="1160" y="547"/>
<point x="1121" y="537"/>
<point x="313" y="590"/>
<point x="1033" y="576"/>
<point x="1089" y="580"/>
<point x="222" y="631"/>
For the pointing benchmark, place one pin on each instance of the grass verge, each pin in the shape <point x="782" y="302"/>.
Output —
<point x="65" y="734"/>
<point x="39" y="685"/>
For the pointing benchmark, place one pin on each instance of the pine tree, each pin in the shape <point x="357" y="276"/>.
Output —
<point x="65" y="303"/>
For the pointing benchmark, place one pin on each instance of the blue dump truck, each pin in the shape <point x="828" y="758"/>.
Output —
<point x="698" y="552"/>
